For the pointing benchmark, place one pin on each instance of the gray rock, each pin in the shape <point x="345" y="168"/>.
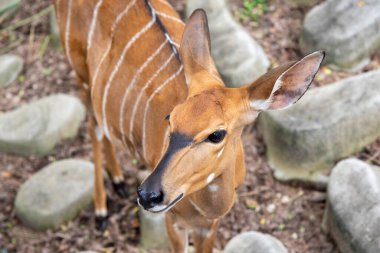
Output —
<point x="55" y="194"/>
<point x="353" y="207"/>
<point x="36" y="128"/>
<point x="10" y="67"/>
<point x="238" y="57"/>
<point x="254" y="242"/>
<point x="9" y="5"/>
<point x="153" y="231"/>
<point x="327" y="124"/>
<point x="347" y="30"/>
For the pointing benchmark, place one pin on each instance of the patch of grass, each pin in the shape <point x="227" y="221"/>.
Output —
<point x="253" y="9"/>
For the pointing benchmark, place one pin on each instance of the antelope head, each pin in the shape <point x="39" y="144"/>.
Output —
<point x="205" y="130"/>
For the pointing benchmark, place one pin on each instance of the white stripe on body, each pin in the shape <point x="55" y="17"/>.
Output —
<point x="175" y="19"/>
<point x="114" y="25"/>
<point x="116" y="68"/>
<point x="170" y="40"/>
<point x="93" y="24"/>
<point x="67" y="33"/>
<point x="173" y="43"/>
<point x="142" y="92"/>
<point x="130" y="87"/>
<point x="148" y="105"/>
<point x="165" y="2"/>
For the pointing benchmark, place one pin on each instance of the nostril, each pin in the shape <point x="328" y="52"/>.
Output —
<point x="149" y="198"/>
<point x="157" y="198"/>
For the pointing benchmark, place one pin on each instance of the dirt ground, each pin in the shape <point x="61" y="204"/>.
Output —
<point x="290" y="212"/>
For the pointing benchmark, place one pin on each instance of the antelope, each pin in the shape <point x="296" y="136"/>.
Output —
<point x="150" y="85"/>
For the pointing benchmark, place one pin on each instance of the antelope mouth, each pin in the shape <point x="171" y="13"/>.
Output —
<point x="165" y="208"/>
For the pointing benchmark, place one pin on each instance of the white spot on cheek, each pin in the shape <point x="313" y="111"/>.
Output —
<point x="220" y="152"/>
<point x="210" y="177"/>
<point x="213" y="187"/>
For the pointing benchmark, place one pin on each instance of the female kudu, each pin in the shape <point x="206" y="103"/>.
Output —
<point x="138" y="63"/>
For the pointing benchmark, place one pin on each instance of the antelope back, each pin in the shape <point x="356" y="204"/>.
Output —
<point x="127" y="53"/>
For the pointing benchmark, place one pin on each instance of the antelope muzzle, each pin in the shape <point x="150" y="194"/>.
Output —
<point x="151" y="194"/>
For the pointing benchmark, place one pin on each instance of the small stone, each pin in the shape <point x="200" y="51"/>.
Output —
<point x="261" y="243"/>
<point x="346" y="30"/>
<point x="55" y="194"/>
<point x="327" y="124"/>
<point x="238" y="57"/>
<point x="10" y="67"/>
<point x="353" y="206"/>
<point x="153" y="231"/>
<point x="285" y="199"/>
<point x="295" y="236"/>
<point x="271" y="208"/>
<point x="251" y="203"/>
<point x="37" y="127"/>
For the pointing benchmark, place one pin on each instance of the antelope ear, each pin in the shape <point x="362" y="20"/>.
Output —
<point x="195" y="49"/>
<point x="285" y="85"/>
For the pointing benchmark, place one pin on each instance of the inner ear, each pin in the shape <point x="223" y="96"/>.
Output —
<point x="195" y="50"/>
<point x="284" y="85"/>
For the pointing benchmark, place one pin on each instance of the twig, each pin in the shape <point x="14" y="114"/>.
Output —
<point x="10" y="46"/>
<point x="31" y="47"/>
<point x="44" y="45"/>
<point x="372" y="157"/>
<point x="28" y="20"/>
<point x="6" y="15"/>
<point x="299" y="195"/>
<point x="247" y="194"/>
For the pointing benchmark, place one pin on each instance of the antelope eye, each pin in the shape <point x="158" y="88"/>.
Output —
<point x="217" y="136"/>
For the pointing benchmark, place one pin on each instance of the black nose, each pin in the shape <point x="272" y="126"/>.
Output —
<point x="149" y="199"/>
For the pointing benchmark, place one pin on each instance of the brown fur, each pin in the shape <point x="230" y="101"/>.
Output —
<point x="198" y="107"/>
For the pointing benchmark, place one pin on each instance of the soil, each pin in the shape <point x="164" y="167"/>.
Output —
<point x="292" y="213"/>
